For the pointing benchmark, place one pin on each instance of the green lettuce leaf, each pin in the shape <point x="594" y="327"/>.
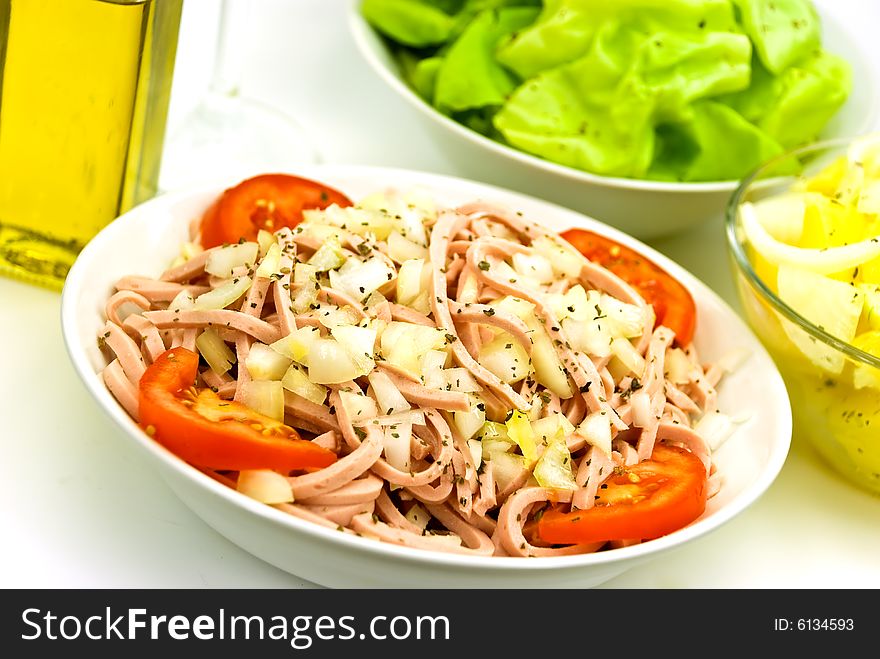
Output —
<point x="599" y="112"/>
<point x="417" y="23"/>
<point x="795" y="106"/>
<point x="565" y="29"/>
<point x="469" y="75"/>
<point x="717" y="144"/>
<point x="783" y="31"/>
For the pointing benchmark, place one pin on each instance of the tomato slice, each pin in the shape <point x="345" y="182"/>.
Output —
<point x="640" y="502"/>
<point x="267" y="201"/>
<point x="207" y="431"/>
<point x="672" y="302"/>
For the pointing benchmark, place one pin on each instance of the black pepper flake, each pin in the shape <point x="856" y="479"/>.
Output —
<point x="483" y="265"/>
<point x="489" y="311"/>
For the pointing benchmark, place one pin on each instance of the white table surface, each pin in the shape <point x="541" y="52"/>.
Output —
<point x="78" y="507"/>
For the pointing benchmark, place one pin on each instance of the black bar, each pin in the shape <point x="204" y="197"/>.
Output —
<point x="426" y="623"/>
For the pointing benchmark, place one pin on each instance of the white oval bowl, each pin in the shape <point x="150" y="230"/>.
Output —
<point x="147" y="238"/>
<point x="644" y="209"/>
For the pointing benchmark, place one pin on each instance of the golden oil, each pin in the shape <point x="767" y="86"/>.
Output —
<point x="84" y="92"/>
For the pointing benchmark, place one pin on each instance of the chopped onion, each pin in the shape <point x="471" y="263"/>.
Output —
<point x="505" y="468"/>
<point x="520" y="308"/>
<point x="626" y="320"/>
<point x="476" y="448"/>
<point x="265" y="240"/>
<point x="405" y="344"/>
<point x="396" y="446"/>
<point x="506" y="358"/>
<point x="533" y="266"/>
<point x="358" y="406"/>
<point x="298" y="343"/>
<point x="458" y="379"/>
<point x="224" y="295"/>
<point x="362" y="278"/>
<point x="329" y="256"/>
<point x="264" y="396"/>
<point x="182" y="301"/>
<point x="679" y="369"/>
<point x="215" y="351"/>
<point x="401" y="249"/>
<point x="588" y="336"/>
<point x="409" y="280"/>
<point x="222" y="262"/>
<point x="432" y="369"/>
<point x="561" y="257"/>
<point x="715" y="428"/>
<point x="596" y="429"/>
<point x="553" y="468"/>
<point x="330" y="363"/>
<point x="550" y="427"/>
<point x="359" y="342"/>
<point x="331" y="316"/>
<point x="387" y="395"/>
<point x="629" y="356"/>
<point x="545" y="361"/>
<point x="640" y="402"/>
<point x="519" y="430"/>
<point x="418" y="516"/>
<point x="264" y="485"/>
<point x="296" y="380"/>
<point x="264" y="363"/>
<point x="470" y="422"/>
<point x="271" y="263"/>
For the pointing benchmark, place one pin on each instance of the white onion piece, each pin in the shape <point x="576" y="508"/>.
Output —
<point x="418" y="516"/>
<point x="363" y="278"/>
<point x="263" y="363"/>
<point x="264" y="485"/>
<point x="387" y="395"/>
<point x="596" y="429"/>
<point x="222" y="262"/>
<point x="265" y="240"/>
<point x="629" y="356"/>
<point x="330" y="363"/>
<point x="224" y="295"/>
<point x="396" y="446"/>
<point x="476" y="449"/>
<point x="470" y="422"/>
<point x="359" y="343"/>
<point x="401" y="249"/>
<point x="715" y="428"/>
<point x="298" y="344"/>
<point x="432" y="368"/>
<point x="640" y="402"/>
<point x="359" y="407"/>
<point x="560" y="255"/>
<point x="264" y="396"/>
<point x="297" y="381"/>
<point x="215" y="351"/>
<point x="182" y="301"/>
<point x="271" y="263"/>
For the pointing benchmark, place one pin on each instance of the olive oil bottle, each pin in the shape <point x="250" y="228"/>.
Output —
<point x="84" y="92"/>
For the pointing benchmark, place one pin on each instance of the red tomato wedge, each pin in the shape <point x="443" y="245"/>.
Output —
<point x="672" y="302"/>
<point x="640" y="502"/>
<point x="207" y="431"/>
<point x="267" y="201"/>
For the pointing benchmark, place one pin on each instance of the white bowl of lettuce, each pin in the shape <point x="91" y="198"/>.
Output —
<point x="643" y="114"/>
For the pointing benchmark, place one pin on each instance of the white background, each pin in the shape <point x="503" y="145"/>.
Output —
<point x="79" y="508"/>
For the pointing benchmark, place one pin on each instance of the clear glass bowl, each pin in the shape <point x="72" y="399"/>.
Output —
<point x="838" y="419"/>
